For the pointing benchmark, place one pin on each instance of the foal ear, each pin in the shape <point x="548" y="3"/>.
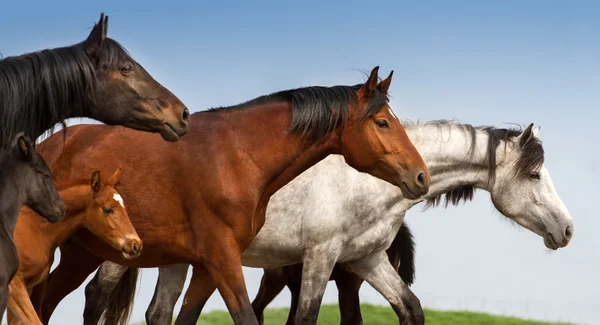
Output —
<point x="384" y="86"/>
<point x="526" y="135"/>
<point x="24" y="146"/>
<point x="93" y="43"/>
<point x="371" y="83"/>
<point x="114" y="179"/>
<point x="96" y="181"/>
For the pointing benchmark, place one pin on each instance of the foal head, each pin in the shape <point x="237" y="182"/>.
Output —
<point x="32" y="176"/>
<point x="523" y="191"/>
<point x="107" y="218"/>
<point x="374" y="141"/>
<point x="125" y="94"/>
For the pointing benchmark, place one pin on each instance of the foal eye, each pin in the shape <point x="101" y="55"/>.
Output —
<point x="128" y="67"/>
<point x="382" y="124"/>
<point x="109" y="210"/>
<point x="535" y="176"/>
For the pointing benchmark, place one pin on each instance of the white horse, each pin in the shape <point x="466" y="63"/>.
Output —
<point x="333" y="214"/>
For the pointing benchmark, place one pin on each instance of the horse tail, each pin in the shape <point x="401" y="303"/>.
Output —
<point x="405" y="245"/>
<point x="120" y="303"/>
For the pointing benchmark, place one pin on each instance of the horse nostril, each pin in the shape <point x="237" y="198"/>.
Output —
<point x="421" y="179"/>
<point x="186" y="114"/>
<point x="568" y="232"/>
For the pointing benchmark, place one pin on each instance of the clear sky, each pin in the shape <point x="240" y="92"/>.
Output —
<point x="480" y="62"/>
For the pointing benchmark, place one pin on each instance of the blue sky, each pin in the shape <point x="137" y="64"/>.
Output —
<point x="480" y="62"/>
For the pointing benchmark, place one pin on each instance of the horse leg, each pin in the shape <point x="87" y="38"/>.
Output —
<point x="377" y="271"/>
<point x="271" y="284"/>
<point x="293" y="273"/>
<point x="318" y="264"/>
<point x="169" y="286"/>
<point x="9" y="265"/>
<point x="225" y="268"/>
<point x="200" y="289"/>
<point x="20" y="309"/>
<point x="37" y="297"/>
<point x="348" y="285"/>
<point x="76" y="264"/>
<point x="99" y="290"/>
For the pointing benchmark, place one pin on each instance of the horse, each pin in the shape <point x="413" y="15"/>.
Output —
<point x="96" y="206"/>
<point x="214" y="187"/>
<point x="24" y="180"/>
<point x="332" y="214"/>
<point x="95" y="78"/>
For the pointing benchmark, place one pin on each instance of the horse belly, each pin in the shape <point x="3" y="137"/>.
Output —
<point x="268" y="254"/>
<point x="373" y="240"/>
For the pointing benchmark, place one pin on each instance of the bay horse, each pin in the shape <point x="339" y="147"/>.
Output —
<point x="95" y="78"/>
<point x="204" y="198"/>
<point x="359" y="217"/>
<point x="96" y="206"/>
<point x="24" y="180"/>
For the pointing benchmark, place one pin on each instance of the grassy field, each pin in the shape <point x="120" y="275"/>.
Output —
<point x="377" y="315"/>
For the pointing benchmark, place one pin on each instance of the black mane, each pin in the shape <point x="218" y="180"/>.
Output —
<point x="41" y="89"/>
<point x="316" y="111"/>
<point x="531" y="159"/>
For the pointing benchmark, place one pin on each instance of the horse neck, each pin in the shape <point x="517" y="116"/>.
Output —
<point x="263" y="140"/>
<point x="75" y="199"/>
<point x="36" y="96"/>
<point x="12" y="197"/>
<point x="451" y="156"/>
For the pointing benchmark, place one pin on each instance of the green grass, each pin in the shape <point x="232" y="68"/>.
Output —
<point x="379" y="315"/>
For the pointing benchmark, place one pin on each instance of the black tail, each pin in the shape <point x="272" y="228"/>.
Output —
<point x="405" y="246"/>
<point x="120" y="303"/>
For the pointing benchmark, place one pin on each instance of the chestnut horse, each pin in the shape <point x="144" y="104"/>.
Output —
<point x="24" y="180"/>
<point x="95" y="78"/>
<point x="202" y="200"/>
<point x="99" y="208"/>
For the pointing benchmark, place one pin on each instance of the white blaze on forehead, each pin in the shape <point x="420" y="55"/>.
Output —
<point x="117" y="197"/>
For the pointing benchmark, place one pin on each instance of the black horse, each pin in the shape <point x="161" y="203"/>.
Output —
<point x="24" y="180"/>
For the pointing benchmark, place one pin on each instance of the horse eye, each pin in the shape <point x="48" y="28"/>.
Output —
<point x="128" y="67"/>
<point x="382" y="124"/>
<point x="109" y="210"/>
<point x="535" y="176"/>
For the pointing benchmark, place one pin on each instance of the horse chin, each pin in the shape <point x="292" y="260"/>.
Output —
<point x="129" y="256"/>
<point x="167" y="132"/>
<point x="550" y="242"/>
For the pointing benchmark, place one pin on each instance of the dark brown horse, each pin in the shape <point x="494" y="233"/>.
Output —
<point x="95" y="78"/>
<point x="202" y="200"/>
<point x="24" y="180"/>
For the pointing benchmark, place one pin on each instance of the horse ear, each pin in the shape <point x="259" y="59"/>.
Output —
<point x="96" y="185"/>
<point x="93" y="43"/>
<point x="384" y="86"/>
<point x="371" y="83"/>
<point x="526" y="135"/>
<point x="24" y="146"/>
<point x="536" y="132"/>
<point x="114" y="179"/>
